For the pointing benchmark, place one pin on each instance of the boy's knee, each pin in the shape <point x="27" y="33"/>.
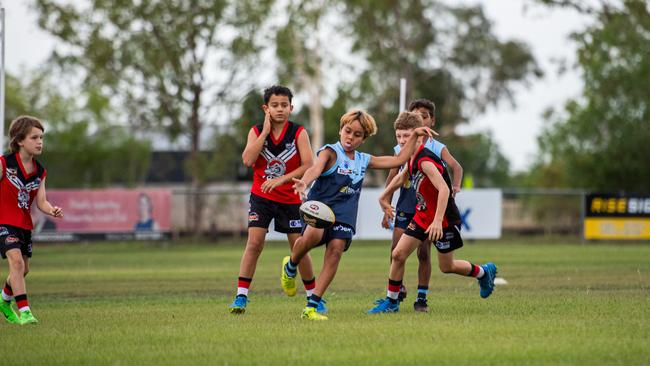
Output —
<point x="398" y="256"/>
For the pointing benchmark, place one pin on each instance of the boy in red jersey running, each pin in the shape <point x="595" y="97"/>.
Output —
<point x="278" y="150"/>
<point x="22" y="180"/>
<point x="436" y="218"/>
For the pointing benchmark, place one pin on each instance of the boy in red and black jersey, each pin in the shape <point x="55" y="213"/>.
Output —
<point x="436" y="218"/>
<point x="278" y="150"/>
<point x="22" y="180"/>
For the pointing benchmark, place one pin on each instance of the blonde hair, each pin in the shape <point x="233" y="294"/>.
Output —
<point x="408" y="121"/>
<point x="19" y="129"/>
<point x="367" y="122"/>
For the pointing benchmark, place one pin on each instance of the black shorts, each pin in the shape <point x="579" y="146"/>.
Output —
<point x="402" y="219"/>
<point x="286" y="215"/>
<point x="336" y="231"/>
<point x="12" y="237"/>
<point x="451" y="239"/>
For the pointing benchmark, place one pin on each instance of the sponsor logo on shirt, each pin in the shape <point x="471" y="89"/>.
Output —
<point x="295" y="223"/>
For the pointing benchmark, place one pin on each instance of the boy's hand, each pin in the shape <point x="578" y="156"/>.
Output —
<point x="435" y="230"/>
<point x="425" y="131"/>
<point x="56" y="211"/>
<point x="270" y="184"/>
<point x="387" y="208"/>
<point x="299" y="187"/>
<point x="266" y="129"/>
<point x="454" y="190"/>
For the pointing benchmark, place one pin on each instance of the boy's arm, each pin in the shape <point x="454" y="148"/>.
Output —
<point x="306" y="161"/>
<point x="44" y="205"/>
<point x="435" y="229"/>
<point x="388" y="162"/>
<point x="323" y="161"/>
<point x="387" y="195"/>
<point x="254" y="143"/>
<point x="384" y="221"/>
<point x="456" y="169"/>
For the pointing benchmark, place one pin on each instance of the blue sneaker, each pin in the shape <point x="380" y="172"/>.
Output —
<point x="322" y="309"/>
<point x="238" y="305"/>
<point x="385" y="306"/>
<point x="487" y="281"/>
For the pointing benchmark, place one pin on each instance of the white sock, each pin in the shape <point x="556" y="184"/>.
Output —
<point x="242" y="291"/>
<point x="6" y="297"/>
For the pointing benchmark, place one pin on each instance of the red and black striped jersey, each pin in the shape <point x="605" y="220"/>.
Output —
<point x="277" y="158"/>
<point x="427" y="194"/>
<point x="18" y="190"/>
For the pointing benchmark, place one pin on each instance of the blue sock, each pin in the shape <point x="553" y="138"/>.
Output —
<point x="423" y="291"/>
<point x="313" y="301"/>
<point x="291" y="268"/>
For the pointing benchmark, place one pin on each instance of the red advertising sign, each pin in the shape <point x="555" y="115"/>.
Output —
<point x="107" y="211"/>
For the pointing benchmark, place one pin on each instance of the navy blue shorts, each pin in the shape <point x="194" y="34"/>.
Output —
<point x="451" y="239"/>
<point x="286" y="215"/>
<point x="402" y="219"/>
<point x="12" y="237"/>
<point x="336" y="231"/>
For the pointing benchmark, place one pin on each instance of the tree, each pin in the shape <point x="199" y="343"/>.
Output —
<point x="448" y="54"/>
<point x="82" y="149"/>
<point x="167" y="63"/>
<point x="600" y="140"/>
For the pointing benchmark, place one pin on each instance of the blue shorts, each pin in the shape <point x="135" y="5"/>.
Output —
<point x="12" y="237"/>
<point x="337" y="231"/>
<point x="402" y="219"/>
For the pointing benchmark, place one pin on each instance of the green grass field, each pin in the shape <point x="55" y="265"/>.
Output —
<point x="152" y="304"/>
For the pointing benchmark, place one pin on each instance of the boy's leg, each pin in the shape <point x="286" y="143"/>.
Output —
<point x="485" y="274"/>
<point x="424" y="276"/>
<point x="305" y="267"/>
<point x="17" y="265"/>
<point x="247" y="266"/>
<point x="333" y="254"/>
<point x="310" y="237"/>
<point x="397" y="233"/>
<point x="406" y="245"/>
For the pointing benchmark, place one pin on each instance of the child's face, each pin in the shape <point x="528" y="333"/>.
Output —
<point x="33" y="142"/>
<point x="279" y="107"/>
<point x="351" y="136"/>
<point x="402" y="136"/>
<point x="427" y="119"/>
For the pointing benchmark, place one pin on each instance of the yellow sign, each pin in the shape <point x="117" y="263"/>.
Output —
<point x="628" y="228"/>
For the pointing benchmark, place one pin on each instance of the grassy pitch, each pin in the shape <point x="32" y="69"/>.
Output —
<point x="152" y="304"/>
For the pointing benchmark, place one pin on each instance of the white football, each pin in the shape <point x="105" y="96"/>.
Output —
<point x="317" y="214"/>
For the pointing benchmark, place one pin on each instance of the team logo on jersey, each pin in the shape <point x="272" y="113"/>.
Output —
<point x="345" y="168"/>
<point x="23" y="189"/>
<point x="348" y="190"/>
<point x="275" y="168"/>
<point x="421" y="203"/>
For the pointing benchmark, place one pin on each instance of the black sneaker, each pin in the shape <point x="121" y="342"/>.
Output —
<point x="402" y="294"/>
<point x="421" y="305"/>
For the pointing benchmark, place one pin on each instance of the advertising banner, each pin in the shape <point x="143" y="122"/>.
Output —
<point x="105" y="214"/>
<point x="480" y="211"/>
<point x="617" y="216"/>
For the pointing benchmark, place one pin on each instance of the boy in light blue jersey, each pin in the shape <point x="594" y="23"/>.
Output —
<point x="405" y="208"/>
<point x="338" y="174"/>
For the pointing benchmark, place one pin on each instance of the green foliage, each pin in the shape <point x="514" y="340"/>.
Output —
<point x="600" y="141"/>
<point x="152" y="57"/>
<point x="83" y="148"/>
<point x="150" y="304"/>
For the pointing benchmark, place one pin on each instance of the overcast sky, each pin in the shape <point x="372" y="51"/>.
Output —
<point x="515" y="130"/>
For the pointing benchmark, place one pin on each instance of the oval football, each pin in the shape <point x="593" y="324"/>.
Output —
<point x="317" y="214"/>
